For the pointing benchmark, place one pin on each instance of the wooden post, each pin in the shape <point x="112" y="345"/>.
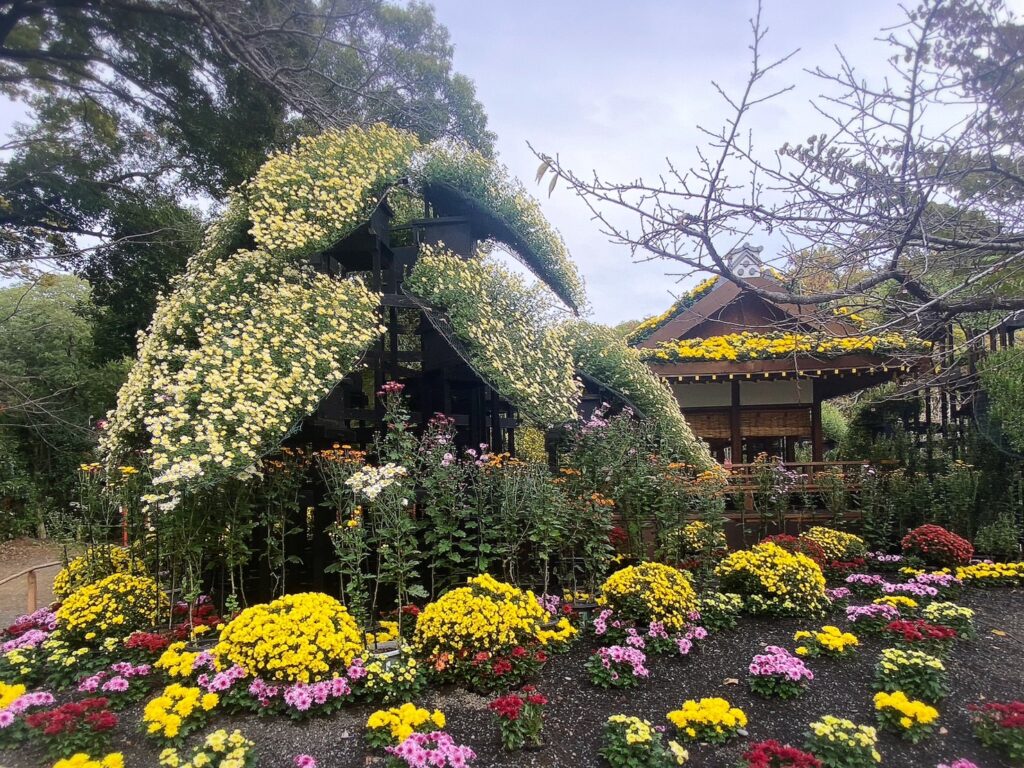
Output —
<point x="30" y="598"/>
<point x="735" y="425"/>
<point x="817" y="434"/>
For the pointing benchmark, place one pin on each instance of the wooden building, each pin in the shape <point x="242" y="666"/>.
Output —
<point x="750" y="374"/>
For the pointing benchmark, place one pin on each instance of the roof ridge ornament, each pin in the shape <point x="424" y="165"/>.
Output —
<point x="745" y="260"/>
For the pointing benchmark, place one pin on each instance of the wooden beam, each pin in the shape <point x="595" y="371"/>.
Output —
<point x="817" y="433"/>
<point x="735" y="425"/>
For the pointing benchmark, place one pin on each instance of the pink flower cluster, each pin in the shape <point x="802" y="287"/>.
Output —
<point x="116" y="679"/>
<point x="940" y="580"/>
<point x="305" y="761"/>
<point x="838" y="593"/>
<point x="624" y="655"/>
<point x="634" y="639"/>
<point x="436" y="749"/>
<point x="22" y="703"/>
<point x="222" y="681"/>
<point x="302" y="696"/>
<point x="29" y="639"/>
<point x="778" y="662"/>
<point x="881" y="557"/>
<point x="684" y="642"/>
<point x="910" y="588"/>
<point x="963" y="762"/>
<point x="602" y="621"/>
<point x="873" y="612"/>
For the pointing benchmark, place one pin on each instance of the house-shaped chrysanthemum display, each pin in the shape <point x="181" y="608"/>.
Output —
<point x="357" y="258"/>
<point x="751" y="374"/>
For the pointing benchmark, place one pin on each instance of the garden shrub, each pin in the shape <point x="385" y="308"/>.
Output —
<point x="297" y="638"/>
<point x="937" y="546"/>
<point x="651" y="592"/>
<point x="774" y="580"/>
<point x="801" y="544"/>
<point x="485" y="615"/>
<point x="111" y="607"/>
<point x="837" y="545"/>
<point x="999" y="539"/>
<point x="97" y="563"/>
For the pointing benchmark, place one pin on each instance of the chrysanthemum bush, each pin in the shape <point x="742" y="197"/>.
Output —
<point x="484" y="616"/>
<point x="713" y="720"/>
<point x="111" y="607"/>
<point x="632" y="742"/>
<point x="77" y="726"/>
<point x="992" y="574"/>
<point x="910" y="718"/>
<point x="937" y="546"/>
<point x="952" y="615"/>
<point x="97" y="563"/>
<point x="774" y="581"/>
<point x="178" y="711"/>
<point x="777" y="672"/>
<point x="836" y="545"/>
<point x="651" y="592"/>
<point x="719" y="610"/>
<point x="83" y="760"/>
<point x="827" y="641"/>
<point x="1000" y="725"/>
<point x="921" y="635"/>
<point x="773" y="754"/>
<point x="494" y="314"/>
<point x="219" y="749"/>
<point x="520" y="717"/>
<point x="841" y="743"/>
<point x="914" y="672"/>
<point x="617" y="666"/>
<point x="297" y="638"/>
<point x="231" y="361"/>
<point x="873" y="618"/>
<point x="388" y="727"/>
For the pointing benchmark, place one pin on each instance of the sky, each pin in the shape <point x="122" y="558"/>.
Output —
<point x="618" y="87"/>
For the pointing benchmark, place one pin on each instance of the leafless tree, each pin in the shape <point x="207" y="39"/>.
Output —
<point x="913" y="189"/>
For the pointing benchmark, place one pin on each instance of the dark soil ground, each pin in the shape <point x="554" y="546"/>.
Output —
<point x="991" y="667"/>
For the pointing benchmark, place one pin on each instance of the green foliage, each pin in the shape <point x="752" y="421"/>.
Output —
<point x="834" y="424"/>
<point x="999" y="540"/>
<point x="52" y="389"/>
<point x="1002" y="379"/>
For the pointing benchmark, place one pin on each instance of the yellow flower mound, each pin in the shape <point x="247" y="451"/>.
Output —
<point x="220" y="749"/>
<point x="713" y="719"/>
<point x="401" y="722"/>
<point x="992" y="574"/>
<point x="176" y="661"/>
<point x="82" y="760"/>
<point x="112" y="607"/>
<point x="904" y="603"/>
<point x="485" y="615"/>
<point x="651" y="592"/>
<point x="837" y="545"/>
<point x="695" y="537"/>
<point x="909" y="713"/>
<point x="828" y="641"/>
<point x="170" y="712"/>
<point x="785" y="583"/>
<point x="296" y="638"/>
<point x="100" y="561"/>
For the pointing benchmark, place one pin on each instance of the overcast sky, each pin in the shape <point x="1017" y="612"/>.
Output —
<point x="619" y="86"/>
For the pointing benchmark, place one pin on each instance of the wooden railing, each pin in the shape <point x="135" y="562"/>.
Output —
<point x="742" y="475"/>
<point x="31" y="585"/>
